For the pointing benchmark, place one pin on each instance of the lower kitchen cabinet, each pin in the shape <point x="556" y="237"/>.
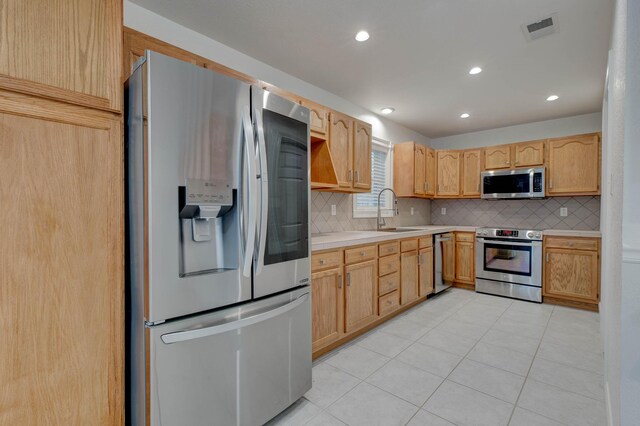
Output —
<point x="572" y="271"/>
<point x="361" y="294"/>
<point x="408" y="277"/>
<point x="327" y="307"/>
<point x="425" y="271"/>
<point x="449" y="259"/>
<point x="465" y="256"/>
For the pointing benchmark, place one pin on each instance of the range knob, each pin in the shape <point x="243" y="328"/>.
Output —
<point x="530" y="234"/>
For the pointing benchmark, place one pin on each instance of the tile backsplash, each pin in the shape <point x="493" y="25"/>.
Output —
<point x="583" y="213"/>
<point x="322" y="221"/>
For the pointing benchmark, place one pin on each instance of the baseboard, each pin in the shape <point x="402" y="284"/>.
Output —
<point x="607" y="402"/>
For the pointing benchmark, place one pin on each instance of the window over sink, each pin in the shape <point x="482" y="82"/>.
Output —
<point x="366" y="205"/>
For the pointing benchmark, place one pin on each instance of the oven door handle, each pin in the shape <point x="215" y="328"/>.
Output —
<point x="509" y="243"/>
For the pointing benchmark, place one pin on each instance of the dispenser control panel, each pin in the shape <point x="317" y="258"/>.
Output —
<point x="208" y="192"/>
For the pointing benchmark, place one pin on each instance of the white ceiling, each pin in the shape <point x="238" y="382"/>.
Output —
<point x="420" y="51"/>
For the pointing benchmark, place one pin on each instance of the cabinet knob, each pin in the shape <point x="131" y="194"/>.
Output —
<point x="361" y="253"/>
<point x="322" y="261"/>
<point x="339" y="281"/>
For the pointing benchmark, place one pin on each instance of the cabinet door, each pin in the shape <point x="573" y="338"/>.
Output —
<point x="497" y="157"/>
<point x="430" y="171"/>
<point x="471" y="173"/>
<point x="571" y="274"/>
<point x="62" y="263"/>
<point x="341" y="146"/>
<point x="425" y="271"/>
<point x="362" y="156"/>
<point x="529" y="154"/>
<point x="318" y="119"/>
<point x="408" y="277"/>
<point x="61" y="49"/>
<point x="574" y="165"/>
<point x="465" y="269"/>
<point x="449" y="260"/>
<point x="327" y="307"/>
<point x="448" y="173"/>
<point x="361" y="294"/>
<point x="419" y="181"/>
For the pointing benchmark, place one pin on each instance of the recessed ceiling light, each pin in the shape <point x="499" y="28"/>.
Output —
<point x="362" y="36"/>
<point x="475" y="70"/>
<point x="552" y="98"/>
<point x="465" y="115"/>
<point x="387" y="110"/>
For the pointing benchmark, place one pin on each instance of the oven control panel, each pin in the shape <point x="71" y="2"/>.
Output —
<point x="520" y="234"/>
<point x="506" y="233"/>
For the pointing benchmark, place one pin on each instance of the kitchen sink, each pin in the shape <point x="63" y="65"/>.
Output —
<point x="397" y="230"/>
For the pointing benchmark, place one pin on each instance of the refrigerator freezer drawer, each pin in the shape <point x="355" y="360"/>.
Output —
<point x="240" y="366"/>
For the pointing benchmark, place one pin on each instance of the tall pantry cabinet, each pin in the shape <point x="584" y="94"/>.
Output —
<point x="61" y="189"/>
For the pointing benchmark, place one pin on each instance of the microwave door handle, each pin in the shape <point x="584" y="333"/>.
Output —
<point x="183" y="336"/>
<point x="250" y="153"/>
<point x="508" y="243"/>
<point x="264" y="190"/>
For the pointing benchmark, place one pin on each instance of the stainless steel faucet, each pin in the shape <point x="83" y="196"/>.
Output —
<point x="380" y="222"/>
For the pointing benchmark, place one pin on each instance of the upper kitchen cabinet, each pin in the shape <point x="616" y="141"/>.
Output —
<point x="528" y="154"/>
<point x="64" y="50"/>
<point x="414" y="170"/>
<point x="448" y="174"/>
<point x="341" y="146"/>
<point x="497" y="157"/>
<point x="362" y="155"/>
<point x="471" y="166"/>
<point x="318" y="120"/>
<point x="574" y="165"/>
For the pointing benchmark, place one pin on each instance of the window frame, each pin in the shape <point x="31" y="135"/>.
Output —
<point x="387" y="210"/>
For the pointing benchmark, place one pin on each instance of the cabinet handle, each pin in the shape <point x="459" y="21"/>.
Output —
<point x="422" y="258"/>
<point x="507" y="162"/>
<point x="547" y="257"/>
<point x="550" y="183"/>
<point x="348" y="279"/>
<point x="340" y="281"/>
<point x="350" y="178"/>
<point x="322" y="261"/>
<point x="361" y="253"/>
<point x="357" y="174"/>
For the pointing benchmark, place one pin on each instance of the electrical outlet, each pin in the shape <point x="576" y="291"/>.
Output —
<point x="443" y="211"/>
<point x="411" y="211"/>
<point x="563" y="211"/>
<point x="333" y="210"/>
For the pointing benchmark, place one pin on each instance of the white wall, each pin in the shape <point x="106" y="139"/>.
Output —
<point x="586" y="123"/>
<point x="147" y="22"/>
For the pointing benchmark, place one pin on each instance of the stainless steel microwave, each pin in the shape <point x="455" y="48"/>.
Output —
<point x="508" y="184"/>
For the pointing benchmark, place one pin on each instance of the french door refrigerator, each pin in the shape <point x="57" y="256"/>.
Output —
<point x="218" y="246"/>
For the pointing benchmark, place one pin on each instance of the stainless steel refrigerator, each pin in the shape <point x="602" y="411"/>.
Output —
<point x="218" y="248"/>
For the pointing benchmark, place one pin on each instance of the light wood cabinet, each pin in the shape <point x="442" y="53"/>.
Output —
<point x="465" y="265"/>
<point x="408" y="277"/>
<point x="341" y="145"/>
<point x="430" y="173"/>
<point x="362" y="156"/>
<point x="62" y="257"/>
<point x="318" y="120"/>
<point x="414" y="169"/>
<point x="361" y="294"/>
<point x="572" y="270"/>
<point x="327" y="307"/>
<point x="65" y="50"/>
<point x="448" y="174"/>
<point x="471" y="167"/>
<point x="529" y="154"/>
<point x="497" y="157"/>
<point x="574" y="165"/>
<point x="425" y="272"/>
<point x="449" y="259"/>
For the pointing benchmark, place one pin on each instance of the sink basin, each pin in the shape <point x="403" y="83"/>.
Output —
<point x="397" y="230"/>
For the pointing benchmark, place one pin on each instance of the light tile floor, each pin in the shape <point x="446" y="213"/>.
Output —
<point x="463" y="358"/>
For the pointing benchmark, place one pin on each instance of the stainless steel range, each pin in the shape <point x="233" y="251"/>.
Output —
<point x="509" y="263"/>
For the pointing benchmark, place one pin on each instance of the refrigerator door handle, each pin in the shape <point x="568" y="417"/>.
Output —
<point x="250" y="151"/>
<point x="264" y="190"/>
<point x="182" y="336"/>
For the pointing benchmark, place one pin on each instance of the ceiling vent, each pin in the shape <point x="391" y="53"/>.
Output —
<point x="541" y="27"/>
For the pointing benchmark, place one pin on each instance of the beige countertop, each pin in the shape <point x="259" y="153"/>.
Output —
<point x="332" y="240"/>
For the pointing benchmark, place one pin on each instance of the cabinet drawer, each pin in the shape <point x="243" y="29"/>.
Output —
<point x="329" y="259"/>
<point x="408" y="245"/>
<point x="572" y="243"/>
<point x="388" y="283"/>
<point x="388" y="303"/>
<point x="465" y="236"/>
<point x="360" y="254"/>
<point x="389" y="248"/>
<point x="388" y="265"/>
<point x="425" y="242"/>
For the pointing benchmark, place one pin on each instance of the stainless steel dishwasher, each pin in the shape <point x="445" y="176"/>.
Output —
<point x="442" y="245"/>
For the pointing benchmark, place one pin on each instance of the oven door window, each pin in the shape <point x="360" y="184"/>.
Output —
<point x="507" y="184"/>
<point x="288" y="217"/>
<point x="507" y="259"/>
